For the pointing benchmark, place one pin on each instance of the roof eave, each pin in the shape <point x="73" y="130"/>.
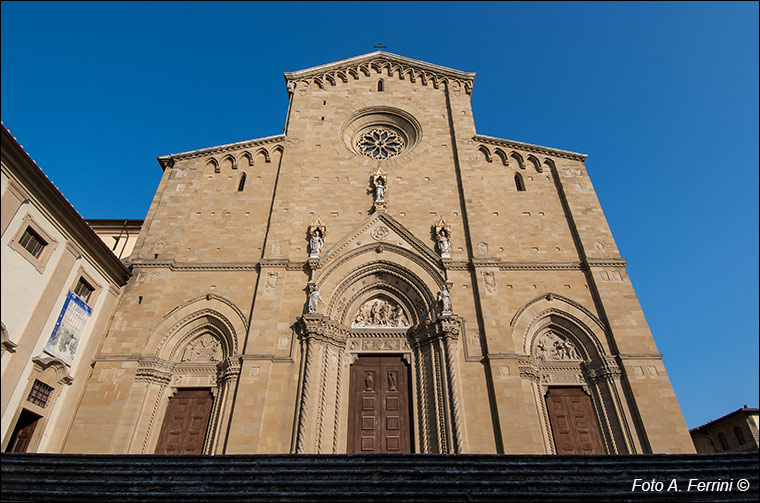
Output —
<point x="315" y="70"/>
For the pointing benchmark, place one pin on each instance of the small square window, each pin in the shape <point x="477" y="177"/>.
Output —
<point x="32" y="242"/>
<point x="83" y="290"/>
<point x="39" y="393"/>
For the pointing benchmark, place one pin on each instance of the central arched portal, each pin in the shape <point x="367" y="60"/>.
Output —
<point x="379" y="371"/>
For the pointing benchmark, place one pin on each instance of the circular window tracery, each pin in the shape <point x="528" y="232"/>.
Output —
<point x="381" y="133"/>
<point x="380" y="143"/>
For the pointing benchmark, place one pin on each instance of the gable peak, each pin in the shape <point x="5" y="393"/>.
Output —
<point x="381" y="62"/>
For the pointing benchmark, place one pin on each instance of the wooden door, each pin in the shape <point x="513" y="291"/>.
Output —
<point x="573" y="422"/>
<point x="186" y="422"/>
<point x="22" y="433"/>
<point x="379" y="406"/>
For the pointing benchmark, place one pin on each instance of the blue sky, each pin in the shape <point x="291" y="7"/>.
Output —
<point x="662" y="96"/>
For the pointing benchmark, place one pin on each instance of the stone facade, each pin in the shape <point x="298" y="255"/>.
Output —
<point x="381" y="156"/>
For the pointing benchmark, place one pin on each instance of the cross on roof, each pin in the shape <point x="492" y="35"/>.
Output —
<point x="380" y="46"/>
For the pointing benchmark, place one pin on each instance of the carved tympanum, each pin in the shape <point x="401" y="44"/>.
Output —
<point x="205" y="348"/>
<point x="380" y="313"/>
<point x="551" y="346"/>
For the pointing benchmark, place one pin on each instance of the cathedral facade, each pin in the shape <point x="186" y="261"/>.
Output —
<point x="378" y="278"/>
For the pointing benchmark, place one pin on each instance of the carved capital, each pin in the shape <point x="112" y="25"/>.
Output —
<point x="228" y="370"/>
<point x="155" y="371"/>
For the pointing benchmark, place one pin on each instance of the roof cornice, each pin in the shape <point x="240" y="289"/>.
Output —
<point x="167" y="161"/>
<point x="380" y="60"/>
<point x="491" y="140"/>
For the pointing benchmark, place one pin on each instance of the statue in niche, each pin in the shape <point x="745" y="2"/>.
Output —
<point x="444" y="297"/>
<point x="317" y="234"/>
<point x="551" y="347"/>
<point x="444" y="247"/>
<point x="380" y="313"/>
<point x="379" y="190"/>
<point x="315" y="244"/>
<point x="369" y="381"/>
<point x="443" y="238"/>
<point x="203" y="349"/>
<point x="314" y="300"/>
<point x="379" y="185"/>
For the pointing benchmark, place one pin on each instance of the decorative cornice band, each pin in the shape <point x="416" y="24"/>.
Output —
<point x="606" y="262"/>
<point x="168" y="160"/>
<point x="491" y="140"/>
<point x="462" y="265"/>
<point x="655" y="356"/>
<point x="454" y="265"/>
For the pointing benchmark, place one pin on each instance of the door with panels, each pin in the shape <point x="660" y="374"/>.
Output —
<point x="379" y="406"/>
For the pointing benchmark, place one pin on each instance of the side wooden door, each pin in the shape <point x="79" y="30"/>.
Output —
<point x="379" y="406"/>
<point x="573" y="422"/>
<point x="22" y="433"/>
<point x="185" y="422"/>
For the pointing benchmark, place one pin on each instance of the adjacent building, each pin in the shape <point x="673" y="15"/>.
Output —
<point x="60" y="285"/>
<point x="734" y="432"/>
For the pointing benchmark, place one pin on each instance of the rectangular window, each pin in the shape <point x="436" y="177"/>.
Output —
<point x="32" y="242"/>
<point x="39" y="393"/>
<point x="83" y="290"/>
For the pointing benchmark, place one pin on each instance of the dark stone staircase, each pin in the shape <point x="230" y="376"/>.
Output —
<point x="365" y="478"/>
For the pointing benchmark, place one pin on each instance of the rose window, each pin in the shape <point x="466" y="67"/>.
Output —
<point x="380" y="143"/>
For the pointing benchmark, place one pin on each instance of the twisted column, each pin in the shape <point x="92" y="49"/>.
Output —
<point x="304" y="396"/>
<point x="450" y="348"/>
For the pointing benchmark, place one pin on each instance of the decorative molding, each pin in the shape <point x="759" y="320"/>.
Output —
<point x="155" y="370"/>
<point x="43" y="362"/>
<point x="380" y="61"/>
<point x="501" y="142"/>
<point x="167" y="161"/>
<point x="606" y="262"/>
<point x="298" y="265"/>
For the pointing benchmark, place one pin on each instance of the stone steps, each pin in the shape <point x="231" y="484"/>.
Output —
<point x="59" y="477"/>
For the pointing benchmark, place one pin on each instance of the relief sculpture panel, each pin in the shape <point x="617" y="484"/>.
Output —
<point x="202" y="349"/>
<point x="550" y="346"/>
<point x="380" y="313"/>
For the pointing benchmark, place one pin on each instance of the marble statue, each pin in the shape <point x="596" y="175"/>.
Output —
<point x="379" y="190"/>
<point x="444" y="297"/>
<point x="444" y="247"/>
<point x="314" y="299"/>
<point x="315" y="244"/>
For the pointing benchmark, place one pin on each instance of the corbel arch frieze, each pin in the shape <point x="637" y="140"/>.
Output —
<point x="264" y="153"/>
<point x="502" y="156"/>
<point x="486" y="153"/>
<point x="245" y="159"/>
<point x="532" y="159"/>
